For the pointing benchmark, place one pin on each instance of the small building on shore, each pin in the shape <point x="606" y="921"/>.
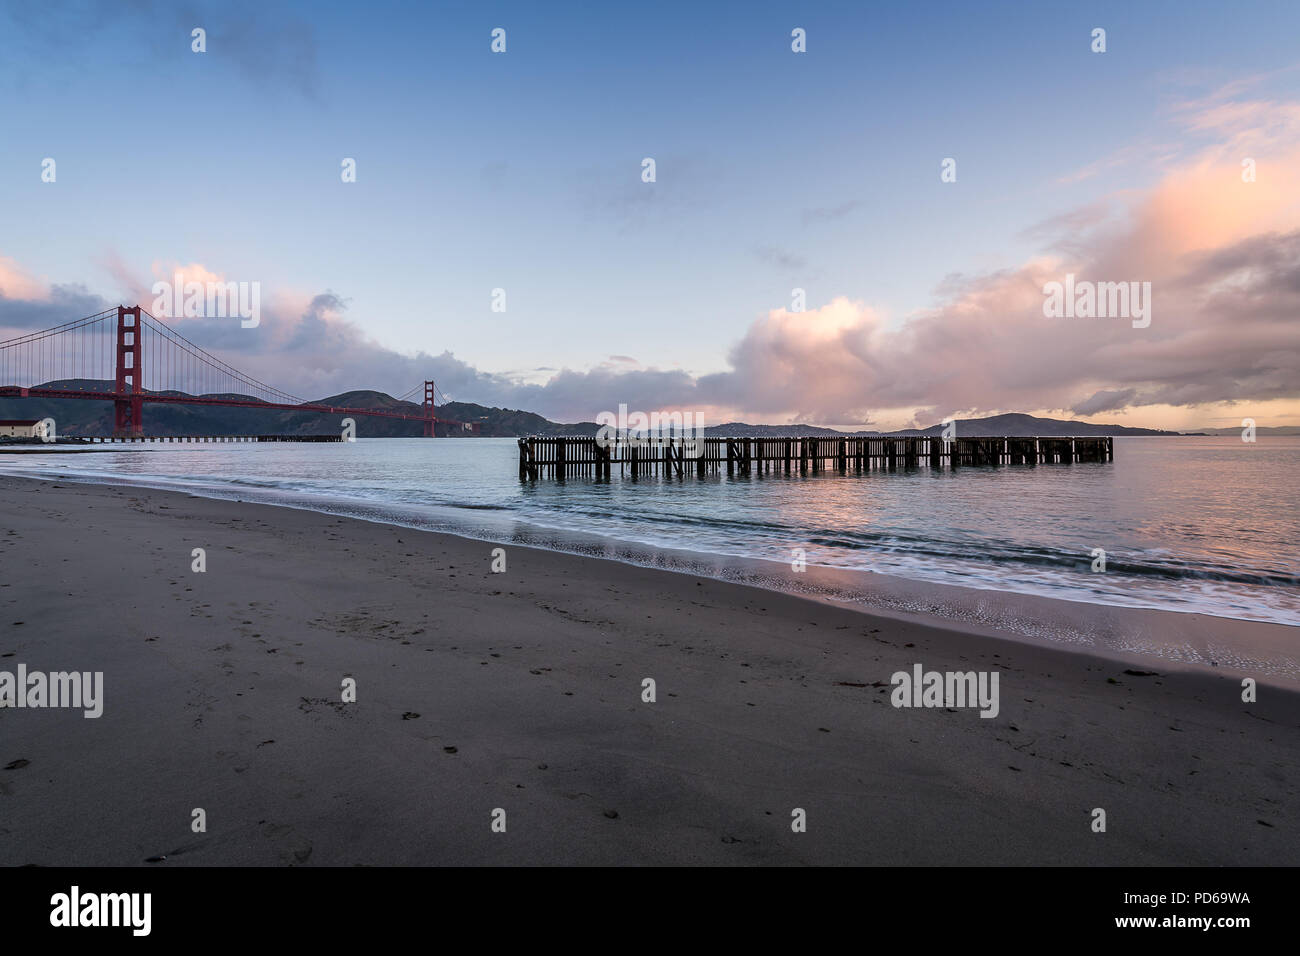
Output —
<point x="18" y="427"/>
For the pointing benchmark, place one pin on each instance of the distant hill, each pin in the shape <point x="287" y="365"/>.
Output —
<point x="86" y="418"/>
<point x="1002" y="426"/>
<point x="79" y="417"/>
<point x="510" y="422"/>
<point x="75" y="417"/>
<point x="1016" y="425"/>
<point x="743" y="430"/>
<point x="505" y="422"/>
<point x="1275" y="430"/>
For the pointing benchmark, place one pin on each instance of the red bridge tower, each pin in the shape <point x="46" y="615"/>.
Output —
<point x="128" y="419"/>
<point x="429" y="424"/>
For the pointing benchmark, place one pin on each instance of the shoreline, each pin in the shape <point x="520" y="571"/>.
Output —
<point x="523" y="691"/>
<point x="1120" y="632"/>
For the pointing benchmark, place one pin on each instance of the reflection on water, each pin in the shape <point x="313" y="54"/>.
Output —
<point x="1191" y="524"/>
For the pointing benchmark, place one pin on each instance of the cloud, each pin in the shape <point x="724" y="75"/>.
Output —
<point x="1222" y="257"/>
<point x="1106" y="400"/>
<point x="780" y="258"/>
<point x="1223" y="330"/>
<point x="619" y="197"/>
<point x="829" y="213"/>
<point x="17" y="283"/>
<point x="51" y="306"/>
<point x="1072" y="233"/>
<point x="270" y="48"/>
<point x="1142" y="154"/>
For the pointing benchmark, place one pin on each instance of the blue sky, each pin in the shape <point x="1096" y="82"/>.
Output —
<point x="521" y="170"/>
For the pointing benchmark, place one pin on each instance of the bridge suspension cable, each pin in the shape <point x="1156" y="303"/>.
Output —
<point x="203" y="357"/>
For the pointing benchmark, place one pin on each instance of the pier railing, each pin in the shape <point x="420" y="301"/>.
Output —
<point x="562" y="457"/>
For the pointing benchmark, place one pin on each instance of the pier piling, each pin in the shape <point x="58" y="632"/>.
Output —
<point x="562" y="457"/>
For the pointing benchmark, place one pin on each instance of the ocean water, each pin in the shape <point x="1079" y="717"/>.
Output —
<point x="1208" y="525"/>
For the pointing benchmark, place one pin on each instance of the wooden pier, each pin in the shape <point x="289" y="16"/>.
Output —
<point x="573" y="457"/>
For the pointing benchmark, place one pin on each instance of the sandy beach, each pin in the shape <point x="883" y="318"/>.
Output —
<point x="522" y="691"/>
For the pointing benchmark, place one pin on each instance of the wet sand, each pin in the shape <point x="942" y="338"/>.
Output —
<point x="522" y="691"/>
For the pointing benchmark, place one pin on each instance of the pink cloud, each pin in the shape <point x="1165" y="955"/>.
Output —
<point x="17" y="283"/>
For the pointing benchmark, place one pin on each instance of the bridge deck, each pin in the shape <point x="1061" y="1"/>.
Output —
<point x="205" y="439"/>
<point x="561" y="457"/>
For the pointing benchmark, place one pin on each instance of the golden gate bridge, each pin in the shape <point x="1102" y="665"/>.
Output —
<point x="147" y="361"/>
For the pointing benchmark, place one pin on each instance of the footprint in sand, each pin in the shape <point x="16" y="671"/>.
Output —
<point x="291" y="844"/>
